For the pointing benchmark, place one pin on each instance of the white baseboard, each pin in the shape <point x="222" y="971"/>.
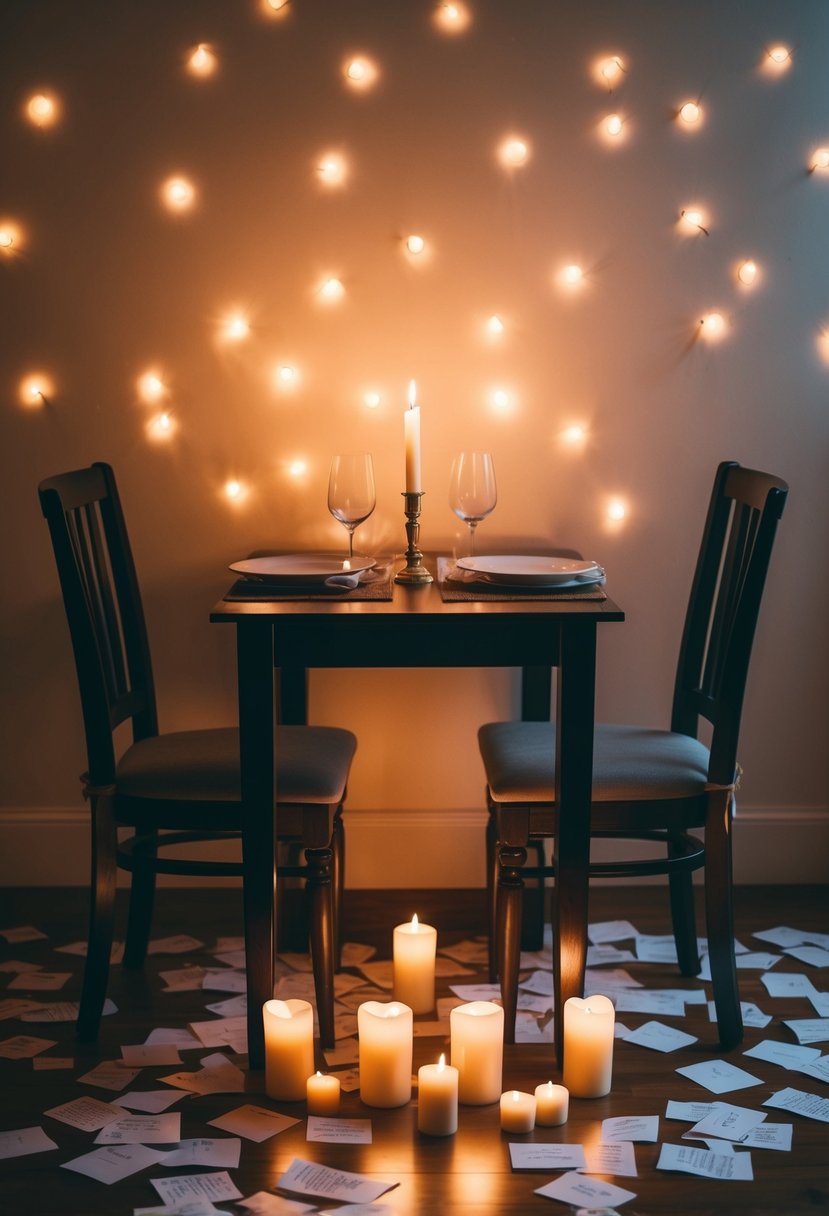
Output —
<point x="48" y="847"/>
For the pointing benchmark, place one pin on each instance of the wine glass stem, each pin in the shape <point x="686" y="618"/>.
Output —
<point x="472" y="526"/>
<point x="350" y="543"/>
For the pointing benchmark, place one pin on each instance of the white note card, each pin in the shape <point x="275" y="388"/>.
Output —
<point x="618" y="1159"/>
<point x="659" y="1037"/>
<point x="325" y="1130"/>
<point x="309" y="1178"/>
<point x="215" y="1187"/>
<point x="728" y="1167"/>
<point x="583" y="1192"/>
<point x="253" y="1122"/>
<point x="24" y="1141"/>
<point x="643" y="1128"/>
<point x="810" y="1106"/>
<point x="142" y="1129"/>
<point x="719" y="1076"/>
<point x="727" y="1122"/>
<point x="546" y="1157"/>
<point x="113" y="1163"/>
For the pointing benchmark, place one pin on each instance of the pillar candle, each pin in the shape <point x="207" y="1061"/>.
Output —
<point x="552" y="1105"/>
<point x="517" y="1111"/>
<point x="411" y="433"/>
<point x="437" y="1099"/>
<point x="385" y="1048"/>
<point x="414" y="965"/>
<point x="477" y="1038"/>
<point x="323" y="1094"/>
<point x="289" y="1048"/>
<point x="588" y="1046"/>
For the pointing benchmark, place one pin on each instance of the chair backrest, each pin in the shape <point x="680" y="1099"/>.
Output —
<point x="103" y="608"/>
<point x="730" y="575"/>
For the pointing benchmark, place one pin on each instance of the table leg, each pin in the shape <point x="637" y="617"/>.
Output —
<point x="254" y="640"/>
<point x="574" y="753"/>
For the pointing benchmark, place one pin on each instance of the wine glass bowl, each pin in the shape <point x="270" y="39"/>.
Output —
<point x="351" y="492"/>
<point x="472" y="490"/>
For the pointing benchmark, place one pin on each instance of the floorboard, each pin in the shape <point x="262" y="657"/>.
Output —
<point x="464" y="1174"/>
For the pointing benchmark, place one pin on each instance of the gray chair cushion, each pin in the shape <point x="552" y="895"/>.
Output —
<point x="203" y="765"/>
<point x="630" y="763"/>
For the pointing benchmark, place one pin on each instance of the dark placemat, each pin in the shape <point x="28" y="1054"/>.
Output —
<point x="452" y="592"/>
<point x="379" y="587"/>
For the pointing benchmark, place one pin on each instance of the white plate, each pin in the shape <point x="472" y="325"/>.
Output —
<point x="533" y="571"/>
<point x="299" y="567"/>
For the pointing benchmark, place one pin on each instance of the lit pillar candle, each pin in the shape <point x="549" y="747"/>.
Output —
<point x="414" y="965"/>
<point x="411" y="431"/>
<point x="385" y="1047"/>
<point x="323" y="1094"/>
<point x="437" y="1099"/>
<point x="477" y="1038"/>
<point x="552" y="1105"/>
<point x="517" y="1111"/>
<point x="289" y="1048"/>
<point x="588" y="1046"/>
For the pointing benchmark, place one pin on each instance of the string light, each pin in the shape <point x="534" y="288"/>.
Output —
<point x="178" y="194"/>
<point x="616" y="510"/>
<point x="234" y="490"/>
<point x="452" y="18"/>
<point x="609" y="70"/>
<point x="513" y="152"/>
<point x="415" y="244"/>
<point x="613" y="125"/>
<point x="360" y="73"/>
<point x="36" y="389"/>
<point x="747" y="273"/>
<point x="495" y="326"/>
<point x="778" y="59"/>
<point x="571" y="276"/>
<point x="712" y="326"/>
<point x="332" y="169"/>
<point x="371" y="399"/>
<point x="235" y="327"/>
<point x="286" y="377"/>
<point x="43" y="110"/>
<point x="501" y="399"/>
<point x="151" y="387"/>
<point x="331" y="291"/>
<point x="162" y="427"/>
<point x="202" y="61"/>
<point x="275" y="9"/>
<point x="574" y="435"/>
<point x="693" y="220"/>
<point x="820" y="160"/>
<point x="11" y="239"/>
<point x="690" y="114"/>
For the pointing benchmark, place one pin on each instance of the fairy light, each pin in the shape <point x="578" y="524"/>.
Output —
<point x="286" y="377"/>
<point x="690" y="114"/>
<point x="574" y="435"/>
<point x="747" y="273"/>
<point x="331" y="291"/>
<point x="495" y="326"/>
<point x="452" y="18"/>
<point x="161" y="427"/>
<point x="275" y="9"/>
<point x="501" y="399"/>
<point x="820" y="160"/>
<point x="297" y="468"/>
<point x="571" y="276"/>
<point x="332" y="169"/>
<point x="202" y="61"/>
<point x="513" y="152"/>
<point x="234" y="490"/>
<point x="693" y="220"/>
<point x="178" y="194"/>
<point x="616" y="510"/>
<point x="36" y="389"/>
<point x="360" y="73"/>
<point x="712" y="326"/>
<point x="613" y="125"/>
<point x="778" y="59"/>
<point x="151" y="387"/>
<point x="609" y="70"/>
<point x="10" y="239"/>
<point x="823" y="344"/>
<point x="43" y="110"/>
<point x="235" y="327"/>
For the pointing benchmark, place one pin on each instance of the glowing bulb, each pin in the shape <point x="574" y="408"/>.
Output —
<point x="36" y="389"/>
<point x="610" y="70"/>
<point x="234" y="489"/>
<point x="372" y="399"/>
<point x="178" y="194"/>
<point x="452" y="17"/>
<point x="286" y="376"/>
<point x="514" y="152"/>
<point x="10" y="239"/>
<point x="6" y="239"/>
<point x="495" y="326"/>
<point x="161" y="427"/>
<point x="151" y="387"/>
<point x="501" y="400"/>
<point x="747" y="273"/>
<point x="616" y="510"/>
<point x="415" y="244"/>
<point x="297" y="468"/>
<point x="43" y="110"/>
<point x="275" y="8"/>
<point x="778" y="59"/>
<point x="331" y="169"/>
<point x="613" y="125"/>
<point x="574" y="434"/>
<point x="360" y="73"/>
<point x="331" y="290"/>
<point x="690" y="113"/>
<point x="235" y="327"/>
<point x="820" y="160"/>
<point x="712" y="326"/>
<point x="202" y="61"/>
<point x="571" y="276"/>
<point x="693" y="220"/>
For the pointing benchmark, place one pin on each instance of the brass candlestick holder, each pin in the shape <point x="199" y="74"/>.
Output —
<point x="414" y="571"/>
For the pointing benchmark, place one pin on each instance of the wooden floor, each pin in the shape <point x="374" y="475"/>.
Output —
<point x="468" y="1173"/>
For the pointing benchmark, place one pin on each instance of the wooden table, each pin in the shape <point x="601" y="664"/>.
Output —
<point x="414" y="629"/>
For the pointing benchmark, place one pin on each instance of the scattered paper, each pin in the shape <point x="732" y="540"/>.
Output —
<point x="182" y="1039"/>
<point x="781" y="936"/>
<point x="719" y="1076"/>
<point x="114" y="1163"/>
<point x="15" y="966"/>
<point x="728" y="1167"/>
<point x="141" y="1129"/>
<point x="180" y="943"/>
<point x="528" y="1029"/>
<point x="347" y="1052"/>
<point x="264" y="1203"/>
<point x="810" y="1106"/>
<point x="309" y="1178"/>
<point x="63" y="1011"/>
<point x="428" y="1029"/>
<point x="24" y="933"/>
<point x="380" y="973"/>
<point x="81" y="949"/>
<point x="476" y="992"/>
<point x="224" y="1153"/>
<point x="546" y="1157"/>
<point x="221" y="1032"/>
<point x="225" y="981"/>
<point x="610" y="931"/>
<point x="43" y="1063"/>
<point x="809" y="1030"/>
<point x="338" y="1131"/>
<point x="582" y="1192"/>
<point x="598" y="956"/>
<point x="17" y="1008"/>
<point x="232" y="1007"/>
<point x="815" y="956"/>
<point x="110" y="1075"/>
<point x="787" y="1055"/>
<point x="183" y="979"/>
<point x="87" y="1114"/>
<point x="645" y="1000"/>
<point x="40" y="981"/>
<point x="354" y="953"/>
<point x="618" y="1159"/>
<point x="753" y="1015"/>
<point x="770" y="1135"/>
<point x="756" y="960"/>
<point x="136" y="1055"/>
<point x="726" y="1122"/>
<point x="152" y="1101"/>
<point x="218" y="1075"/>
<point x="474" y="952"/>
<point x="24" y="1047"/>
<point x="688" y="1112"/>
<point x="253" y="1122"/>
<point x="787" y="983"/>
<point x="660" y="1037"/>
<point x="215" y="1187"/>
<point x="643" y="1128"/>
<point x="23" y="1142"/>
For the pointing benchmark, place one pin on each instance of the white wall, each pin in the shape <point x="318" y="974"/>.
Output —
<point x="103" y="284"/>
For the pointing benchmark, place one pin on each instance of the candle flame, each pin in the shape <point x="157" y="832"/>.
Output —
<point x="412" y="394"/>
<point x="441" y="1062"/>
<point x="414" y="922"/>
<point x="515" y="1095"/>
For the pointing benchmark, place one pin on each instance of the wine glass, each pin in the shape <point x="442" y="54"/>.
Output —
<point x="472" y="491"/>
<point x="351" y="494"/>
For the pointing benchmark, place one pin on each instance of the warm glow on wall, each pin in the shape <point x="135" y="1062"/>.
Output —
<point x="151" y="387"/>
<point x="360" y="73"/>
<point x="571" y="276"/>
<point x="371" y="398"/>
<point x="235" y="491"/>
<point x="748" y="273"/>
<point x="689" y="114"/>
<point x="330" y="290"/>
<point x="609" y="70"/>
<point x="502" y="400"/>
<point x="202" y="61"/>
<point x="693" y="220"/>
<point x="297" y="468"/>
<point x="820" y="160"/>
<point x="778" y="59"/>
<point x="43" y="109"/>
<point x="823" y="344"/>
<point x="11" y="238"/>
<point x="36" y="389"/>
<point x="415" y="244"/>
<point x="178" y="194"/>
<point x="713" y="326"/>
<point x="513" y="152"/>
<point x="495" y="326"/>
<point x="616" y="510"/>
<point x="574" y="435"/>
<point x="234" y="327"/>
<point x="286" y="377"/>
<point x="162" y="427"/>
<point x="275" y="9"/>
<point x="613" y="126"/>
<point x="332" y="169"/>
<point x="452" y="18"/>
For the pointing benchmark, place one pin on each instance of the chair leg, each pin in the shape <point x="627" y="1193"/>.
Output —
<point x="492" y="876"/>
<point x="510" y="896"/>
<point x="719" y="916"/>
<point x="338" y="885"/>
<point x="104" y="871"/>
<point x="321" y="916"/>
<point x="142" y="899"/>
<point x="683" y="918"/>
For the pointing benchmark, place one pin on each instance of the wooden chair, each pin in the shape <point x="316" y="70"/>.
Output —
<point x="653" y="785"/>
<point x="180" y="788"/>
